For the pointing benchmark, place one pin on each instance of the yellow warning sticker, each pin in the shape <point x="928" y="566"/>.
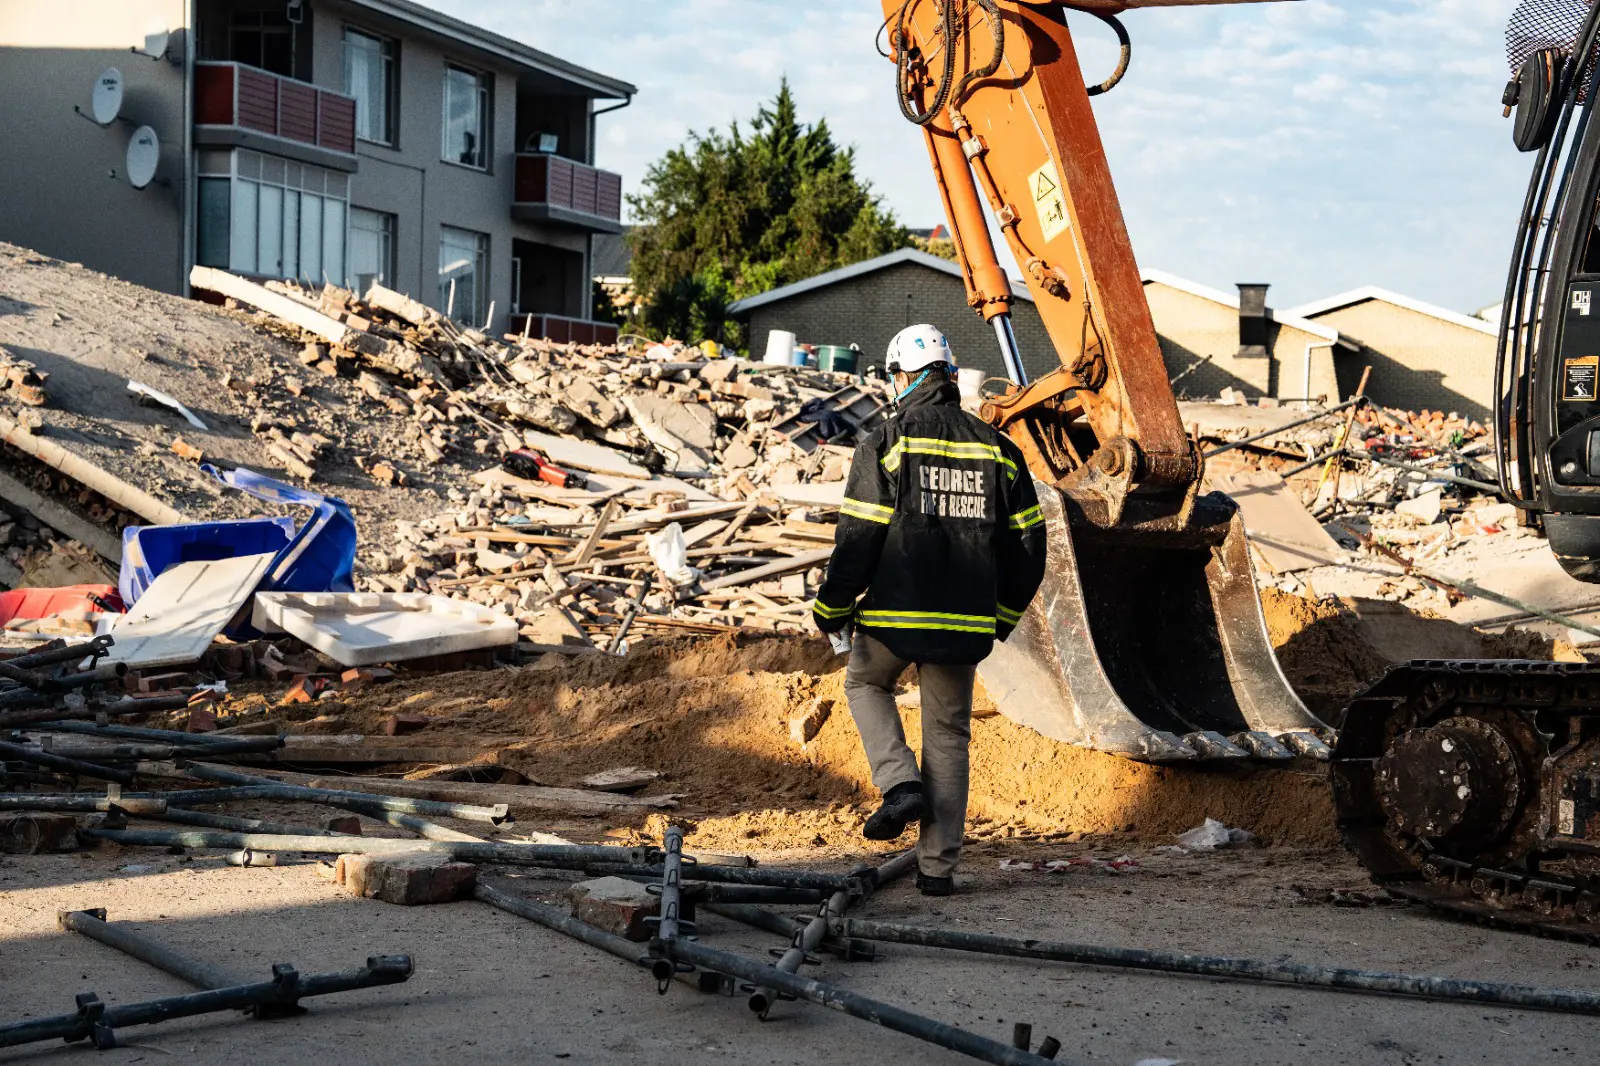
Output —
<point x="1049" y="201"/>
<point x="1578" y="379"/>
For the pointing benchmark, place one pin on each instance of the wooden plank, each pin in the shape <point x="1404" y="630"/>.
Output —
<point x="760" y="573"/>
<point x="581" y="555"/>
<point x="104" y="543"/>
<point x="259" y="296"/>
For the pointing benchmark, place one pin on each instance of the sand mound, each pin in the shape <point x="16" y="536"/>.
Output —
<point x="713" y="716"/>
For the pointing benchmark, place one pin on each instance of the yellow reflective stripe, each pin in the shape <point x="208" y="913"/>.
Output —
<point x="1007" y="615"/>
<point x="869" y="512"/>
<point x="948" y="449"/>
<point x="953" y="626"/>
<point x="929" y="614"/>
<point x="823" y="610"/>
<point x="1027" y="519"/>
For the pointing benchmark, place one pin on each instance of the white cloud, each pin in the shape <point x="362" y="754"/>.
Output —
<point x="1319" y="145"/>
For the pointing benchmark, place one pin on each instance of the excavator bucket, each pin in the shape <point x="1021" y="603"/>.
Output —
<point x="1151" y="646"/>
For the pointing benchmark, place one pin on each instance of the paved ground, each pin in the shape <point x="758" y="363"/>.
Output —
<point x="497" y="989"/>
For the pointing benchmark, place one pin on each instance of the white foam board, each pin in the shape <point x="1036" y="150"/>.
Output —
<point x="184" y="609"/>
<point x="367" y="628"/>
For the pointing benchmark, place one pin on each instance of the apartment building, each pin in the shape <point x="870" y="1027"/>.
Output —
<point x="348" y="141"/>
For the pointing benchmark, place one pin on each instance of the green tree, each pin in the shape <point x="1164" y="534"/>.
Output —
<point x="733" y="214"/>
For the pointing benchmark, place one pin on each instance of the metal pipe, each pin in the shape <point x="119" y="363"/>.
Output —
<point x="672" y="885"/>
<point x="92" y="924"/>
<point x="24" y="677"/>
<point x="698" y="893"/>
<point x="758" y="917"/>
<point x="96" y="1022"/>
<point x="226" y="822"/>
<point x="1568" y="1001"/>
<point x="158" y="736"/>
<point x="561" y="856"/>
<point x="465" y="811"/>
<point x="69" y="654"/>
<point x="807" y="939"/>
<point x="857" y="1006"/>
<point x="64" y="765"/>
<point x="423" y="828"/>
<point x="737" y="875"/>
<point x="67" y="801"/>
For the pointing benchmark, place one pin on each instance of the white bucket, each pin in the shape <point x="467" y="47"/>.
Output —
<point x="780" y="348"/>
<point x="969" y="380"/>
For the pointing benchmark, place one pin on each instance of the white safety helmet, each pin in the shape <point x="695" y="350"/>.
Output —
<point x="917" y="348"/>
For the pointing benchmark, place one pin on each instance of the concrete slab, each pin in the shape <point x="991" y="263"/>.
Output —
<point x="368" y="628"/>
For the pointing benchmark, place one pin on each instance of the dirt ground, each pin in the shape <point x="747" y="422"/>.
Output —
<point x="712" y="716"/>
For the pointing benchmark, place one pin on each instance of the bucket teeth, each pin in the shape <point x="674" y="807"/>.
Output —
<point x="1305" y="742"/>
<point x="1213" y="745"/>
<point x="1261" y="745"/>
<point x="1155" y="745"/>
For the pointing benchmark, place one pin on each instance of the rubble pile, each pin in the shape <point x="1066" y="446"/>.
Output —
<point x="640" y="487"/>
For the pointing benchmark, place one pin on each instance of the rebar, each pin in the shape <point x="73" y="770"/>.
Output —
<point x="97" y="1022"/>
<point x="1568" y="1001"/>
<point x="857" y="1006"/>
<point x="92" y="923"/>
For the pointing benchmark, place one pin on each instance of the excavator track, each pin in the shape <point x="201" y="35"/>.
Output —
<point x="1470" y="786"/>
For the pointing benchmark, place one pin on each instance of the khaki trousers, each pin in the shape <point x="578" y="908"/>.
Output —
<point x="946" y="732"/>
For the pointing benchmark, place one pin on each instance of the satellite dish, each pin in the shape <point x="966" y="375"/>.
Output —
<point x="144" y="153"/>
<point x="156" y="38"/>
<point x="105" y="103"/>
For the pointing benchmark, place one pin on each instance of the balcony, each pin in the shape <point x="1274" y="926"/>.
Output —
<point x="244" y="107"/>
<point x="563" y="330"/>
<point x="562" y="192"/>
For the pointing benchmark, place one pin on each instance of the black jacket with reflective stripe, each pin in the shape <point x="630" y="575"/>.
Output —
<point x="940" y="546"/>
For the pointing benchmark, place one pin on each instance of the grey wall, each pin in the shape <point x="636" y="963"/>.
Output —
<point x="869" y="310"/>
<point x="56" y="192"/>
<point x="411" y="181"/>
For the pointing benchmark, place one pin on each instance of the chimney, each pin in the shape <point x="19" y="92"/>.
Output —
<point x="1254" y="323"/>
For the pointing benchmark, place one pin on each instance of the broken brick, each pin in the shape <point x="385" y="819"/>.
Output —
<point x="616" y="905"/>
<point x="398" y="725"/>
<point x="184" y="450"/>
<point x="201" y="720"/>
<point x="307" y="688"/>
<point x="409" y="880"/>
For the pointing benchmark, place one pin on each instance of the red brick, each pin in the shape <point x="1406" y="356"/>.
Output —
<point x="409" y="880"/>
<point x="398" y="725"/>
<point x="33" y="833"/>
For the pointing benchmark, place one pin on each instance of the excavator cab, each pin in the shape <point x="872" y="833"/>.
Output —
<point x="1147" y="639"/>
<point x="1547" y="419"/>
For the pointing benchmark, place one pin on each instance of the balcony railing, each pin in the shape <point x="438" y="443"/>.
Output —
<point x="563" y="330"/>
<point x="550" y="188"/>
<point x="237" y="97"/>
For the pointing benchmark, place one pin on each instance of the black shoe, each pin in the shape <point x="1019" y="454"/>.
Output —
<point x="902" y="805"/>
<point x="935" y="886"/>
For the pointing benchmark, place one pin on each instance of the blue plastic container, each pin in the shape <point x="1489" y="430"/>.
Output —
<point x="318" y="556"/>
<point x="148" y="550"/>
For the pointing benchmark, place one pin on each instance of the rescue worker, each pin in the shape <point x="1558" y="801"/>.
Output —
<point x="939" y="551"/>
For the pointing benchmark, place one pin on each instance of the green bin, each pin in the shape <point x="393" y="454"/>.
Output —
<point x="837" y="358"/>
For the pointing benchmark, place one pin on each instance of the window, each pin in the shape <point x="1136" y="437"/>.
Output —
<point x="262" y="39"/>
<point x="272" y="217"/>
<point x="463" y="274"/>
<point x="371" y="249"/>
<point x="369" y="76"/>
<point x="466" y="118"/>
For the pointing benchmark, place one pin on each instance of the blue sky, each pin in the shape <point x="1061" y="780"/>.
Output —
<point x="1315" y="145"/>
